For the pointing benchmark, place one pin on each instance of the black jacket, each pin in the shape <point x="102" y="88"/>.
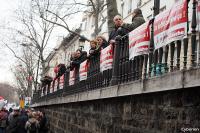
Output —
<point x="126" y="28"/>
<point x="77" y="61"/>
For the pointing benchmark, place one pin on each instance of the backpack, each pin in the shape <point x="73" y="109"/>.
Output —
<point x="33" y="128"/>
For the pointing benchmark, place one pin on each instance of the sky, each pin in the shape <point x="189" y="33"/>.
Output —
<point x="7" y="59"/>
<point x="6" y="9"/>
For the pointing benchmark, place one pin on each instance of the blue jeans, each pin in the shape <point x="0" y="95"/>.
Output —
<point x="2" y="130"/>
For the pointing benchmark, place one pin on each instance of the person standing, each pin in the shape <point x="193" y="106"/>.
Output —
<point x="3" y="120"/>
<point x="13" y="126"/>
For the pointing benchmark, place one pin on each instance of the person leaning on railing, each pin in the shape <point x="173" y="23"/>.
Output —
<point x="101" y="42"/>
<point x="122" y="28"/>
<point x="94" y="48"/>
<point x="78" y="58"/>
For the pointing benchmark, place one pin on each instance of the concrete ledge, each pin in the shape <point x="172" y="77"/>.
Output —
<point x="169" y="81"/>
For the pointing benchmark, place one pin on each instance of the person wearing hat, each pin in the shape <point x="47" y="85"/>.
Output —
<point x="13" y="126"/>
<point x="137" y="19"/>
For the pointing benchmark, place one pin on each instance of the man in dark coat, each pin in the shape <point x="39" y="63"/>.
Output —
<point x="122" y="28"/>
<point x="13" y="126"/>
<point x="79" y="58"/>
<point x="23" y="118"/>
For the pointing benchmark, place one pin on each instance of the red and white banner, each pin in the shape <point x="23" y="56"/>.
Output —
<point x="72" y="77"/>
<point x="56" y="85"/>
<point x="83" y="70"/>
<point x="198" y="15"/>
<point x="106" y="58"/>
<point x="51" y="87"/>
<point x="171" y="25"/>
<point x="62" y="80"/>
<point x="139" y="40"/>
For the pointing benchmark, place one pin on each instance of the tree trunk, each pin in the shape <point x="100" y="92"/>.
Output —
<point x="111" y="11"/>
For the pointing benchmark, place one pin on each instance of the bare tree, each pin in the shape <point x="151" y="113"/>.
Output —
<point x="111" y="12"/>
<point x="36" y="29"/>
<point x="24" y="72"/>
<point x="92" y="7"/>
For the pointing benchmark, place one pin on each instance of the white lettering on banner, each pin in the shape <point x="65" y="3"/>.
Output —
<point x="61" y="84"/>
<point x="106" y="58"/>
<point x="170" y="25"/>
<point x="139" y="40"/>
<point x="83" y="70"/>
<point x="72" y="77"/>
<point x="56" y="85"/>
<point x="51" y="87"/>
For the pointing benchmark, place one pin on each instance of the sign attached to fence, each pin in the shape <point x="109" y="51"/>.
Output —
<point x="51" y="87"/>
<point x="198" y="15"/>
<point x="83" y="70"/>
<point x="27" y="101"/>
<point x="72" y="77"/>
<point x="61" y="83"/>
<point x="55" y="85"/>
<point x="139" y="40"/>
<point x="106" y="58"/>
<point x="171" y="25"/>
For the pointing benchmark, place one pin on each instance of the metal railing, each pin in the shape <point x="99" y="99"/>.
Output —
<point x="157" y="62"/>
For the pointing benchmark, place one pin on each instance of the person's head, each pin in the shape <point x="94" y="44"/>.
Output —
<point x="10" y="110"/>
<point x="136" y="12"/>
<point x="73" y="54"/>
<point x="16" y="111"/>
<point x="78" y="53"/>
<point x="100" y="39"/>
<point x="118" y="21"/>
<point x="93" y="44"/>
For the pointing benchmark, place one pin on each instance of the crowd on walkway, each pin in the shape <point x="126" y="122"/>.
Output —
<point x="23" y="121"/>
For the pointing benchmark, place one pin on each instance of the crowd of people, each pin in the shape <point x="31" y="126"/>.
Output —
<point x="100" y="42"/>
<point x="23" y="121"/>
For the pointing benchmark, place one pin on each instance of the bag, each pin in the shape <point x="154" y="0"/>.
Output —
<point x="32" y="128"/>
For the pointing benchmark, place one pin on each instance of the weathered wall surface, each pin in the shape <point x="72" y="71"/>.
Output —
<point x="157" y="112"/>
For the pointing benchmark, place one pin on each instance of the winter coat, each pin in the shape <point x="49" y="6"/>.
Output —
<point x="23" y="118"/>
<point x="103" y="45"/>
<point x="44" y="125"/>
<point x="3" y="119"/>
<point x="77" y="61"/>
<point x="13" y="124"/>
<point x="30" y="122"/>
<point x="136" y="22"/>
<point x="126" y="28"/>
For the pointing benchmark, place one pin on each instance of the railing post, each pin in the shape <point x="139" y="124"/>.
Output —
<point x="160" y="56"/>
<point x="185" y="44"/>
<point x="115" y="70"/>
<point x="156" y="9"/>
<point x="151" y="48"/>
<point x="155" y="61"/>
<point x="193" y="36"/>
<point x="145" y="65"/>
<point x="166" y="49"/>
<point x="178" y="54"/>
<point x="172" y="47"/>
<point x="127" y="69"/>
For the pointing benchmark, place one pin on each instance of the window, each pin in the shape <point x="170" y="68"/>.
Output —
<point x="163" y="8"/>
<point x="129" y="6"/>
<point x="122" y="8"/>
<point x="139" y="3"/>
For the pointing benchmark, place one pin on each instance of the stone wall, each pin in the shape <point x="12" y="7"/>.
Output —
<point x="159" y="112"/>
